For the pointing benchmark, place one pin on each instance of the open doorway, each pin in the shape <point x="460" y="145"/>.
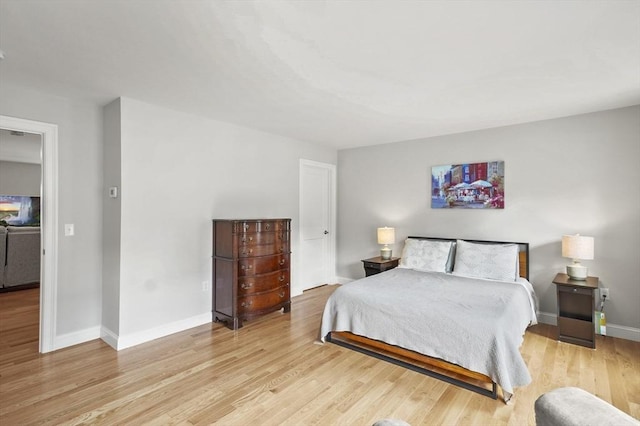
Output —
<point x="20" y="241"/>
<point x="48" y="136"/>
<point x="20" y="193"/>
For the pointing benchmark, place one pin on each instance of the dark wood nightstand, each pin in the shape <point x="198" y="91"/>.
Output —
<point x="375" y="265"/>
<point x="576" y="307"/>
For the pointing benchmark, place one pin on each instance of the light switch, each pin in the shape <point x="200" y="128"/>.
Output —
<point x="113" y="192"/>
<point x="69" y="229"/>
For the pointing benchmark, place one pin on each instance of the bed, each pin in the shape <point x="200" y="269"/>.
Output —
<point x="456" y="310"/>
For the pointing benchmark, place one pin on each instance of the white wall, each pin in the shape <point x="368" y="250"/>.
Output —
<point x="111" y="224"/>
<point x="215" y="169"/>
<point x="80" y="186"/>
<point x="26" y="148"/>
<point x="571" y="175"/>
<point x="19" y="178"/>
<point x="178" y="171"/>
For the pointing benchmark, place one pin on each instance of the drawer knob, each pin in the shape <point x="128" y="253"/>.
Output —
<point x="281" y="294"/>
<point x="282" y="261"/>
<point x="245" y="304"/>
<point x="246" y="267"/>
<point x="281" y="278"/>
<point x="245" y="251"/>
<point x="245" y="286"/>
<point x="267" y="226"/>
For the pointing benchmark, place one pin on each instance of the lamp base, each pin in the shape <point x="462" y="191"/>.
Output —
<point x="385" y="253"/>
<point x="577" y="272"/>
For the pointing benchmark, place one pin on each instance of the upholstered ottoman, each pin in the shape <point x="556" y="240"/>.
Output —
<point x="577" y="407"/>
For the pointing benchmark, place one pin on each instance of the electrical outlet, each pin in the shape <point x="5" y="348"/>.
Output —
<point x="604" y="292"/>
<point x="205" y="285"/>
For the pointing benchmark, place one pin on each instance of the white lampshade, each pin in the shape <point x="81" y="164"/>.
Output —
<point x="577" y="247"/>
<point x="386" y="235"/>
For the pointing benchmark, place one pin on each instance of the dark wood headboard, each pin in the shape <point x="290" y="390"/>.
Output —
<point x="523" y="250"/>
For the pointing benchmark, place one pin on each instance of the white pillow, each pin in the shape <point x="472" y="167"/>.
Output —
<point x="491" y="261"/>
<point x="425" y="255"/>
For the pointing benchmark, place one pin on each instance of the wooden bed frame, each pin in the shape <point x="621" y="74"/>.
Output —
<point x="433" y="367"/>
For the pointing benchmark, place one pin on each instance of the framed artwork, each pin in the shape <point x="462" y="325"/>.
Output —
<point x="468" y="186"/>
<point x="19" y="210"/>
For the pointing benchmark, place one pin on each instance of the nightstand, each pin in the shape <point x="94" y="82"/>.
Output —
<point x="576" y="306"/>
<point x="375" y="265"/>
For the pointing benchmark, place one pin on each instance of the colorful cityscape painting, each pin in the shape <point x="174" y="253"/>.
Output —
<point x="468" y="186"/>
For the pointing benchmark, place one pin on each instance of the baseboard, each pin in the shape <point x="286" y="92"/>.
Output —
<point x="343" y="280"/>
<point x="109" y="337"/>
<point x="133" y="339"/>
<point x="547" y="318"/>
<point x="613" y="330"/>
<point x="623" y="332"/>
<point x="76" y="337"/>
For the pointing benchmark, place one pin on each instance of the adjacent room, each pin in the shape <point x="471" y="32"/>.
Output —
<point x="319" y="212"/>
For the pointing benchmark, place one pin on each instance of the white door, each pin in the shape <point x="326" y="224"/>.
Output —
<point x="317" y="224"/>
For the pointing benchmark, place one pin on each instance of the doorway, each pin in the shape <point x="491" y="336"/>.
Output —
<point x="48" y="222"/>
<point x="317" y="225"/>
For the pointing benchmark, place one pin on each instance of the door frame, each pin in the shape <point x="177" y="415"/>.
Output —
<point x="48" y="223"/>
<point x="331" y="272"/>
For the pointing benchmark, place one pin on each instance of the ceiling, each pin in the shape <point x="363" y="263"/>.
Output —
<point x="341" y="73"/>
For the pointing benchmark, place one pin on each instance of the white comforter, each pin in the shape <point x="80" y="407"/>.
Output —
<point x="475" y="323"/>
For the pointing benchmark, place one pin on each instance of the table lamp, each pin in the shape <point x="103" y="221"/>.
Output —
<point x="386" y="236"/>
<point x="577" y="247"/>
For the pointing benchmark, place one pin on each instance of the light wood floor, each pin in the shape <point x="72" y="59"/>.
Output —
<point x="269" y="373"/>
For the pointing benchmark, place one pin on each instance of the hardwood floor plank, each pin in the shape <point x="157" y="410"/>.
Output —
<point x="273" y="372"/>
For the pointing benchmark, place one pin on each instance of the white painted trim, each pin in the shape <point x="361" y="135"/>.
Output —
<point x="547" y="318"/>
<point x="344" y="280"/>
<point x="127" y="341"/>
<point x="109" y="337"/>
<point x="623" y="332"/>
<point x="333" y="209"/>
<point x="49" y="222"/>
<point x="76" y="337"/>
<point x="613" y="330"/>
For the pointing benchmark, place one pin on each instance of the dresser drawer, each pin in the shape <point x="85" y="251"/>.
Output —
<point x="259" y="238"/>
<point x="263" y="226"/>
<point x="575" y="290"/>
<point x="262" y="283"/>
<point x="263" y="250"/>
<point x="380" y="267"/>
<point x="262" y="265"/>
<point x="575" y="328"/>
<point x="263" y="302"/>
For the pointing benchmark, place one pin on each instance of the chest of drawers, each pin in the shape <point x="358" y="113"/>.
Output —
<point x="250" y="269"/>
